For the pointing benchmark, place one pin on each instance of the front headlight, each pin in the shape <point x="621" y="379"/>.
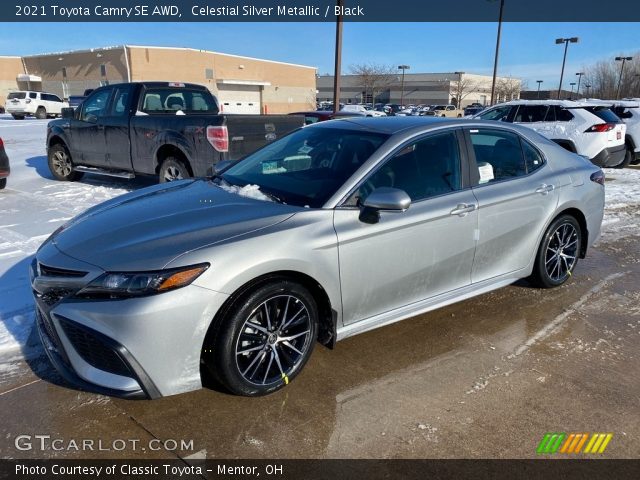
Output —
<point x="137" y="284"/>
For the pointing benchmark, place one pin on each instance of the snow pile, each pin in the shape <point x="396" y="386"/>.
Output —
<point x="249" y="191"/>
<point x="622" y="203"/>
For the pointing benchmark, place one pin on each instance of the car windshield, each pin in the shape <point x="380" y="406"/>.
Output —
<point x="19" y="95"/>
<point x="306" y="167"/>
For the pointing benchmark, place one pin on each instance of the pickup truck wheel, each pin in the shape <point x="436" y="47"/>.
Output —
<point x="61" y="165"/>
<point x="3" y="183"/>
<point x="173" y="169"/>
<point x="41" y="113"/>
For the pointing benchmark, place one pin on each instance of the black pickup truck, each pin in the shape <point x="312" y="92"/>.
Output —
<point x="172" y="130"/>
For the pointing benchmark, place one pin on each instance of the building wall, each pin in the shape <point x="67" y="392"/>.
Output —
<point x="285" y="88"/>
<point x="83" y="68"/>
<point x="420" y="88"/>
<point x="10" y="68"/>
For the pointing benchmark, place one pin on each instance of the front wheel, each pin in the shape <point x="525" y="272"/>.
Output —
<point x="265" y="341"/>
<point x="61" y="165"/>
<point x="558" y="253"/>
<point x="18" y="117"/>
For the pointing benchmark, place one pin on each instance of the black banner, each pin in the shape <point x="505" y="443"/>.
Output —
<point x="320" y="469"/>
<point x="317" y="11"/>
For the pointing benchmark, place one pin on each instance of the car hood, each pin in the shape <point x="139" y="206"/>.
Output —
<point x="146" y="229"/>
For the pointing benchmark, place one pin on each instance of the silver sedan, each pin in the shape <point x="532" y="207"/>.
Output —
<point x="333" y="230"/>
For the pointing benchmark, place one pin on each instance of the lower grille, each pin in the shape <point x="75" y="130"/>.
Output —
<point x="52" y="336"/>
<point x="94" y="349"/>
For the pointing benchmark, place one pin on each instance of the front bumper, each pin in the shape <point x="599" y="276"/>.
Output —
<point x="144" y="347"/>
<point x="610" y="157"/>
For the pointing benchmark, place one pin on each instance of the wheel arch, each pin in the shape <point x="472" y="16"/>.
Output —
<point x="172" y="150"/>
<point x="56" y="139"/>
<point x="582" y="222"/>
<point x="566" y="144"/>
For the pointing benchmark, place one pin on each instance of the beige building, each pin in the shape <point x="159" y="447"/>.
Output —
<point x="242" y="84"/>
<point x="421" y="89"/>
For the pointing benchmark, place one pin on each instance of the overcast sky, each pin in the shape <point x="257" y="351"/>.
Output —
<point x="528" y="50"/>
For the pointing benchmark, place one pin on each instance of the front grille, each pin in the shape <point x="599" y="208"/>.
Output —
<point x="93" y="349"/>
<point x="48" y="271"/>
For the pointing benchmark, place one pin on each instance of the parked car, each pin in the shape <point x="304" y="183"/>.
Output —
<point x="5" y="169"/>
<point x="472" y="110"/>
<point x="588" y="129"/>
<point x="165" y="129"/>
<point x="39" y="104"/>
<point x="338" y="228"/>
<point x="324" y="115"/>
<point x="445" y="111"/>
<point x="368" y="112"/>
<point x="629" y="112"/>
<point x="76" y="100"/>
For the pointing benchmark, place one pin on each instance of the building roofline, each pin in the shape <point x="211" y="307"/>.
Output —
<point x="220" y="53"/>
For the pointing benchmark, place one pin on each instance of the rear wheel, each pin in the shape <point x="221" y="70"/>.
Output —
<point x="628" y="156"/>
<point x="558" y="252"/>
<point x="61" y="165"/>
<point x="173" y="169"/>
<point x="41" y="113"/>
<point x="265" y="341"/>
<point x="3" y="183"/>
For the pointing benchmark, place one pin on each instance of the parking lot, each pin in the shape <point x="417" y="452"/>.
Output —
<point x="485" y="378"/>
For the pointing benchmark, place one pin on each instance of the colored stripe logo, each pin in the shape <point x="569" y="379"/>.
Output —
<point x="573" y="443"/>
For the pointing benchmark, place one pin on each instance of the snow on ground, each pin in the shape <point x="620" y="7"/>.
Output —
<point x="33" y="205"/>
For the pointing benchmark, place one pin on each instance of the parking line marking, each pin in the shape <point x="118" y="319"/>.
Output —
<point x="20" y="386"/>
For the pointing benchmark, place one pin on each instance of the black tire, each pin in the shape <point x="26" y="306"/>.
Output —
<point x="628" y="156"/>
<point x="558" y="253"/>
<point x="18" y="117"/>
<point x="3" y="183"/>
<point x="269" y="358"/>
<point x="172" y="169"/>
<point x="61" y="164"/>
<point x="41" y="113"/>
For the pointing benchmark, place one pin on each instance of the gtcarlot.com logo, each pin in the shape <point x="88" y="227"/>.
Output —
<point x="573" y="443"/>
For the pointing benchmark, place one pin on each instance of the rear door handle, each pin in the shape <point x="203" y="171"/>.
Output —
<point x="462" y="209"/>
<point x="544" y="189"/>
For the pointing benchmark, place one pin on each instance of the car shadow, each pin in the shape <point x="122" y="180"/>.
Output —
<point x="39" y="163"/>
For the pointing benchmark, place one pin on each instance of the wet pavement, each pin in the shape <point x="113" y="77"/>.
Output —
<point x="485" y="378"/>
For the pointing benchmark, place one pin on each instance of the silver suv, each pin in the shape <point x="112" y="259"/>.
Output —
<point x="589" y="129"/>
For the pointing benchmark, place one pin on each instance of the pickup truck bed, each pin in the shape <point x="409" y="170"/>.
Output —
<point x="172" y="130"/>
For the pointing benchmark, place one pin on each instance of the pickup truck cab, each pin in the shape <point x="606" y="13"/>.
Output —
<point x="170" y="130"/>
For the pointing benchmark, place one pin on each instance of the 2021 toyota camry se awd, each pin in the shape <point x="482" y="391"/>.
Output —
<point x="333" y="230"/>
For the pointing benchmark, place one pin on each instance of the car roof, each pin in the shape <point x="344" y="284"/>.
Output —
<point x="561" y="103"/>
<point x="391" y="125"/>
<point x="628" y="103"/>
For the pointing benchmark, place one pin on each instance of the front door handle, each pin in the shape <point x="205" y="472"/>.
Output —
<point x="544" y="189"/>
<point x="462" y="209"/>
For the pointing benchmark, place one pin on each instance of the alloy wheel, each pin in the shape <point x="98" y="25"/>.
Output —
<point x="273" y="340"/>
<point x="172" y="173"/>
<point x="62" y="164"/>
<point x="562" y="252"/>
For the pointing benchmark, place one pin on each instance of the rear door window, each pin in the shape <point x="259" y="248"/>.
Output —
<point x="498" y="155"/>
<point x="562" y="114"/>
<point x="33" y="95"/>
<point x="531" y="113"/>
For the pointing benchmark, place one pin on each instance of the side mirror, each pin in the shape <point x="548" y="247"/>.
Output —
<point x="384" y="199"/>
<point x="68" y="112"/>
<point x="220" y="167"/>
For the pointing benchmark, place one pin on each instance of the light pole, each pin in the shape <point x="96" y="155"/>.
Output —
<point x="566" y="42"/>
<point x="459" y="92"/>
<point x="495" y="60"/>
<point x="539" y="82"/>
<point x="338" y="61"/>
<point x="579" y="74"/>
<point x="588" y="86"/>
<point x="571" y="94"/>
<point x="403" y="68"/>
<point x="623" y="60"/>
